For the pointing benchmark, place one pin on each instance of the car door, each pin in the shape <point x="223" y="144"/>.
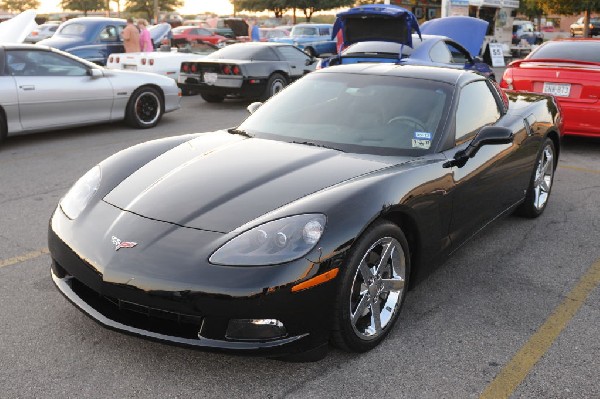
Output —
<point x="110" y="39"/>
<point x="495" y="178"/>
<point x="56" y="90"/>
<point x="300" y="63"/>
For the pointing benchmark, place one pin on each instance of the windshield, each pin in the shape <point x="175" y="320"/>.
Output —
<point x="569" y="50"/>
<point x="73" y="29"/>
<point x="386" y="115"/>
<point x="381" y="48"/>
<point x="244" y="51"/>
<point x="304" y="31"/>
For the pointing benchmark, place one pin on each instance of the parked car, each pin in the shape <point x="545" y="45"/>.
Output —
<point x="568" y="70"/>
<point x="43" y="31"/>
<point x="297" y="229"/>
<point x="245" y="70"/>
<point x="577" y="28"/>
<point x="90" y="38"/>
<point x="192" y="34"/>
<point x="224" y="31"/>
<point x="267" y="34"/>
<point x="524" y="30"/>
<point x="314" y="39"/>
<point x="47" y="89"/>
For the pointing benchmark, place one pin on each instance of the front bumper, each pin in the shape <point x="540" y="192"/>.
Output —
<point x="172" y="308"/>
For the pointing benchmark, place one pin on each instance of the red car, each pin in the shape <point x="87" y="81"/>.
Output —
<point x="192" y="33"/>
<point x="569" y="69"/>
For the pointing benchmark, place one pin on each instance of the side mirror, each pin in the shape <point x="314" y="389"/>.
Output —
<point x="488" y="135"/>
<point x="253" y="107"/>
<point x="310" y="61"/>
<point x="95" y="73"/>
<point x="477" y="59"/>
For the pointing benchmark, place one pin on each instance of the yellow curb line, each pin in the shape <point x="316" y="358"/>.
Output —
<point x="561" y="166"/>
<point x="23" y="258"/>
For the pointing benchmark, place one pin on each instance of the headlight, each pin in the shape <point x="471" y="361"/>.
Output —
<point x="80" y="194"/>
<point x="279" y="241"/>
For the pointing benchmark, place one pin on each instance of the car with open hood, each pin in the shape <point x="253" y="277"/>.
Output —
<point x="289" y="232"/>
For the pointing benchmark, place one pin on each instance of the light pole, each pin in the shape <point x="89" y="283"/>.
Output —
<point x="156" y="12"/>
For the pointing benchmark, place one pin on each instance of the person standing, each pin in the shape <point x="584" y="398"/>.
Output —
<point x="253" y="31"/>
<point x="131" y="37"/>
<point x="145" y="40"/>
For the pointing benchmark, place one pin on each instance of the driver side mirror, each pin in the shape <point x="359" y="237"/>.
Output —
<point x="253" y="107"/>
<point x="488" y="135"/>
<point x="95" y="73"/>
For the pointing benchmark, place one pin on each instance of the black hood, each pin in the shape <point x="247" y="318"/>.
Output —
<point x="219" y="181"/>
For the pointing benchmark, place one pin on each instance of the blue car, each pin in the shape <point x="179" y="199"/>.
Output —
<point x="92" y="39"/>
<point x="384" y="33"/>
<point x="313" y="39"/>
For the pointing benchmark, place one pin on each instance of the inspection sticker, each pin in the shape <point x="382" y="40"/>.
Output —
<point x="422" y="140"/>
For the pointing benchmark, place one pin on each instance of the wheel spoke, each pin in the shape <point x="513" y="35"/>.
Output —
<point x="360" y="309"/>
<point x="385" y="257"/>
<point x="390" y="284"/>
<point x="365" y="271"/>
<point x="376" y="315"/>
<point x="544" y="185"/>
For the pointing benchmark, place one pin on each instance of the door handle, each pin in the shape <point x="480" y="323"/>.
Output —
<point x="293" y="66"/>
<point x="27" y="87"/>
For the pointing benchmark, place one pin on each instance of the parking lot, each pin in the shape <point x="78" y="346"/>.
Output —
<point x="522" y="290"/>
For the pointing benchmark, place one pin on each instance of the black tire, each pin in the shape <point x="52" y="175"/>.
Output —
<point x="188" y="92"/>
<point x="212" y="98"/>
<point x="275" y="84"/>
<point x="3" y="128"/>
<point x="145" y="108"/>
<point x="310" y="52"/>
<point x="532" y="207"/>
<point x="346" y="333"/>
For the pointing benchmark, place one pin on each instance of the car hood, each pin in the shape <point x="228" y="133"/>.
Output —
<point x="159" y="32"/>
<point x="219" y="181"/>
<point x="16" y="29"/>
<point x="467" y="31"/>
<point x="376" y="22"/>
<point x="62" y="42"/>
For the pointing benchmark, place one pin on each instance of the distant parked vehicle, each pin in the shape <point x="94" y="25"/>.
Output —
<point x="525" y="30"/>
<point x="577" y="28"/>
<point x="271" y="33"/>
<point x="42" y="32"/>
<point x="92" y="39"/>
<point x="314" y="39"/>
<point x="193" y="34"/>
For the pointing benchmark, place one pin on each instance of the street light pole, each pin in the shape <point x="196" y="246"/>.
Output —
<point x="156" y="12"/>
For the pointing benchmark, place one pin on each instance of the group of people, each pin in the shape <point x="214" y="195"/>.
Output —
<point x="137" y="38"/>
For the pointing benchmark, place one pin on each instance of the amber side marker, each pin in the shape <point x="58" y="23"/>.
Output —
<point x="320" y="279"/>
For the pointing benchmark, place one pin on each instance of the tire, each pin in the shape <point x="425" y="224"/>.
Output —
<point x="188" y="92"/>
<point x="3" y="128"/>
<point x="310" y="52"/>
<point x="275" y="84"/>
<point x="145" y="108"/>
<point x="540" y="186"/>
<point x="357" y="330"/>
<point x="212" y="98"/>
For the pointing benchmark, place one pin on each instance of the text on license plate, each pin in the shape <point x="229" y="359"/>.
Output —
<point x="557" y="89"/>
<point x="210" y="78"/>
<point x="130" y="67"/>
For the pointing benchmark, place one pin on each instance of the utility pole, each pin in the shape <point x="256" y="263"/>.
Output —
<point x="156" y="12"/>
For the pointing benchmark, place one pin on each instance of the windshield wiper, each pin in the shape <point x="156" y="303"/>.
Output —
<point x="312" y="144"/>
<point x="235" y="130"/>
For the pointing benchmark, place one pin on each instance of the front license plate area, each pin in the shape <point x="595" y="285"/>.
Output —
<point x="557" y="89"/>
<point x="210" y="78"/>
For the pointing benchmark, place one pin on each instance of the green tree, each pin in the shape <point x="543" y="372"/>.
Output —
<point x="146" y="7"/>
<point x="19" y="5"/>
<point x="309" y="7"/>
<point x="561" y="7"/>
<point x="278" y="7"/>
<point x="82" y="5"/>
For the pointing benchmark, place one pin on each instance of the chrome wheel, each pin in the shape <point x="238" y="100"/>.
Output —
<point x="543" y="178"/>
<point x="147" y="108"/>
<point x="377" y="288"/>
<point x="277" y="86"/>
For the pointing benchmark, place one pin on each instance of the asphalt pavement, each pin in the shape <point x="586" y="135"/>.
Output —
<point x="514" y="313"/>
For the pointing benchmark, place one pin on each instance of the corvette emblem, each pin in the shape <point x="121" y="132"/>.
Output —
<point x="122" y="244"/>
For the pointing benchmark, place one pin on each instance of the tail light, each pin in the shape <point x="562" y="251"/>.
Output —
<point x="194" y="68"/>
<point x="143" y="61"/>
<point x="226" y="69"/>
<point x="236" y="70"/>
<point x="151" y="61"/>
<point x="507" y="79"/>
<point x="118" y="60"/>
<point x="110" y="59"/>
<point x="185" y="67"/>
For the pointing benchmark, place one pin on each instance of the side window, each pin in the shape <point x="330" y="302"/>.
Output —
<point x="477" y="107"/>
<point x="42" y="63"/>
<point x="202" y="32"/>
<point x="458" y="55"/>
<point x="324" y="32"/>
<point x="109" y="34"/>
<point x="292" y="54"/>
<point x="440" y="53"/>
<point x="266" y="54"/>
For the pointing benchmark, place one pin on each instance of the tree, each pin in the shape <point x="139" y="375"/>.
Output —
<point x="279" y="7"/>
<point x="82" y="5"/>
<point x="309" y="7"/>
<point x="564" y="7"/>
<point x="147" y="6"/>
<point x="19" y="5"/>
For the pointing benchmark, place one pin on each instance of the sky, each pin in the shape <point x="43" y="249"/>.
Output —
<point x="190" y="6"/>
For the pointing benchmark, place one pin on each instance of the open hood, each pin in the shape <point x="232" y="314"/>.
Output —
<point x="467" y="31"/>
<point x="16" y="29"/>
<point x="159" y="32"/>
<point x="376" y="22"/>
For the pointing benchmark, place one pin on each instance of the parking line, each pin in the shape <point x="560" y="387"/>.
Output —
<point x="511" y="376"/>
<point x="579" y="169"/>
<point x="23" y="258"/>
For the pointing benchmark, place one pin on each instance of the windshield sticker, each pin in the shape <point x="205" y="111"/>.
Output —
<point x="423" y="144"/>
<point x="423" y="136"/>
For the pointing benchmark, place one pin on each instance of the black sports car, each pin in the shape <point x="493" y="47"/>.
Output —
<point x="245" y="70"/>
<point x="289" y="232"/>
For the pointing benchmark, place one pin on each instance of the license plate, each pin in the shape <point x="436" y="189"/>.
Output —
<point x="557" y="89"/>
<point x="210" y="78"/>
<point x="130" y="67"/>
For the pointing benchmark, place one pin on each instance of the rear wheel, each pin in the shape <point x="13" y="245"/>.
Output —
<point x="372" y="288"/>
<point x="212" y="98"/>
<point x="310" y="52"/>
<point x="540" y="185"/>
<point x="275" y="84"/>
<point x="3" y="127"/>
<point x="145" y="108"/>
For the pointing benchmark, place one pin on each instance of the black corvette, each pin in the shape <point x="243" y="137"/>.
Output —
<point x="245" y="70"/>
<point x="289" y="232"/>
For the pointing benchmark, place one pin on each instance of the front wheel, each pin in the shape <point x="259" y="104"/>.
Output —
<point x="275" y="84"/>
<point x="372" y="288"/>
<point x="538" y="192"/>
<point x="3" y="128"/>
<point x="145" y="108"/>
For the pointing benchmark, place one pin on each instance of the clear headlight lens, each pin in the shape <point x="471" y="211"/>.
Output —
<point x="80" y="194"/>
<point x="279" y="241"/>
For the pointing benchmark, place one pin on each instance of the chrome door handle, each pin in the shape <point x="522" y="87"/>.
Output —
<point x="27" y="87"/>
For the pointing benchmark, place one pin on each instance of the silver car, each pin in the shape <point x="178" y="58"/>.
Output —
<point x="42" y="32"/>
<point x="46" y="89"/>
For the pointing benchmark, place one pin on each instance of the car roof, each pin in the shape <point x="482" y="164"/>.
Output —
<point x="96" y="20"/>
<point x="261" y="44"/>
<point x="315" y="25"/>
<point x="440" y="74"/>
<point x="23" y="46"/>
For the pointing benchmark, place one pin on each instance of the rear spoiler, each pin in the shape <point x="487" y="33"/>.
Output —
<point x="562" y="62"/>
